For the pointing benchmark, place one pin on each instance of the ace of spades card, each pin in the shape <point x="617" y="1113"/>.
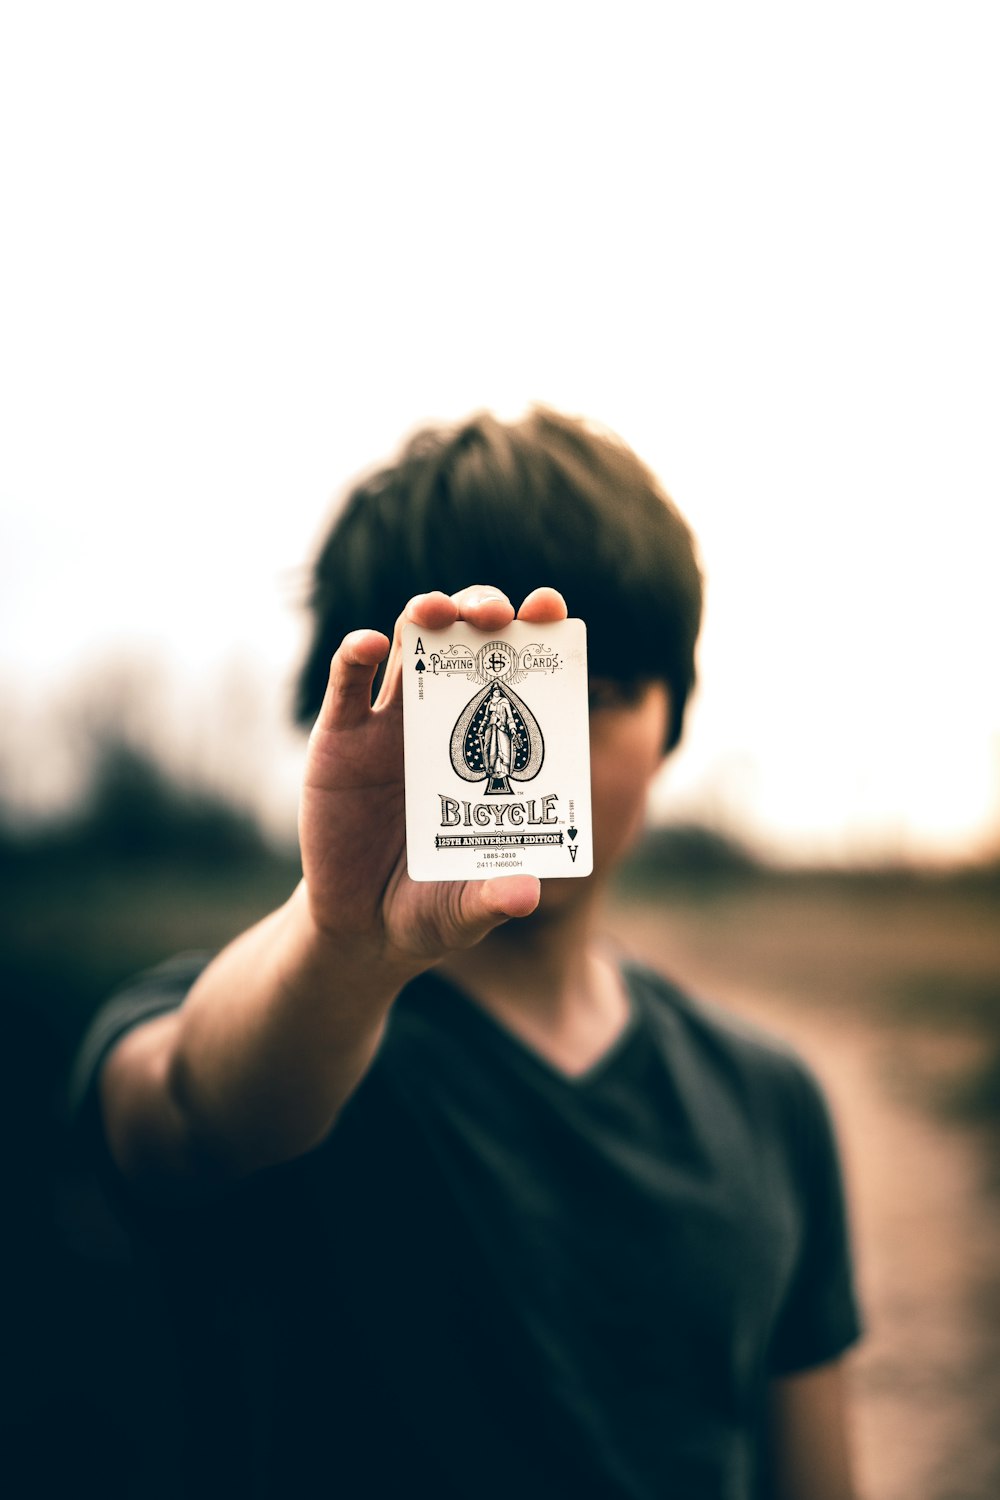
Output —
<point x="496" y="737"/>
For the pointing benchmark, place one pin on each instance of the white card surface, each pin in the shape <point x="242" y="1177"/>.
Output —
<point x="497" y="751"/>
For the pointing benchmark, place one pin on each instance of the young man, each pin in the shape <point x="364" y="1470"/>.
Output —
<point x="446" y="1200"/>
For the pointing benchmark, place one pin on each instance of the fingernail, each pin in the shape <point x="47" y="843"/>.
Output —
<point x="486" y="596"/>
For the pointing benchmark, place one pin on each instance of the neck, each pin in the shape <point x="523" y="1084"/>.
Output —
<point x="545" y="979"/>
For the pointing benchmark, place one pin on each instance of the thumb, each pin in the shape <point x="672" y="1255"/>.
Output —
<point x="486" y="903"/>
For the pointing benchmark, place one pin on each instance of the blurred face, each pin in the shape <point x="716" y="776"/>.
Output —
<point x="628" y="729"/>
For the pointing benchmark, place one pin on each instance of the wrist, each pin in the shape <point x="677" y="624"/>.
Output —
<point x="355" y="957"/>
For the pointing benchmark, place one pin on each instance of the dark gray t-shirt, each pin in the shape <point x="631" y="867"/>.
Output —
<point x="493" y="1280"/>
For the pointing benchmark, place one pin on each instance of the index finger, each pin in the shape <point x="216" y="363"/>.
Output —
<point x="433" y="610"/>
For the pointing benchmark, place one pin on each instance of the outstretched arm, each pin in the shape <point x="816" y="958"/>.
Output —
<point x="280" y="1028"/>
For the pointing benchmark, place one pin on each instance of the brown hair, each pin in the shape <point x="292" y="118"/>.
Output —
<point x="548" y="499"/>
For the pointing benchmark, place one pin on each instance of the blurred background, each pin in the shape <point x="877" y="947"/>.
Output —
<point x="244" y="250"/>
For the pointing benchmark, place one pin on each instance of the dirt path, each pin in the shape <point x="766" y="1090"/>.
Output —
<point x="928" y="1252"/>
<point x="926" y="1231"/>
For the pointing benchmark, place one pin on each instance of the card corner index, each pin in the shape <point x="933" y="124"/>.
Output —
<point x="412" y="634"/>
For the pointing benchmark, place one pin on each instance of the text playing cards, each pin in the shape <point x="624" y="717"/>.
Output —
<point x="497" y="751"/>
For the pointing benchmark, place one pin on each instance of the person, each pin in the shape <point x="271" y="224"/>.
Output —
<point x="439" y="1194"/>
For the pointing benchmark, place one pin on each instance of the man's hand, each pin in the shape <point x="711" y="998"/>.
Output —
<point x="351" y="821"/>
<point x="282" y="1026"/>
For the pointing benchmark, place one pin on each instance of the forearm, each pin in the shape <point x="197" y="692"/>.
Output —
<point x="255" y="1066"/>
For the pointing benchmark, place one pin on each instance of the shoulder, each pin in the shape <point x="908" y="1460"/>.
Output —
<point x="712" y="1023"/>
<point x="150" y="993"/>
<point x="710" y="1040"/>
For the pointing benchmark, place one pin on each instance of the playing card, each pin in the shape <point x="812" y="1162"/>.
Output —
<point x="497" y="751"/>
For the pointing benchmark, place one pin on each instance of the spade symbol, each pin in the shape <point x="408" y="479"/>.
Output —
<point x="420" y="667"/>
<point x="497" y="737"/>
<point x="571" y="832"/>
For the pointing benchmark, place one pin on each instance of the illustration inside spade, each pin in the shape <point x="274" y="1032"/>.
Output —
<point x="495" y="739"/>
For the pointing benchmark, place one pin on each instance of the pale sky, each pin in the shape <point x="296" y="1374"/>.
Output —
<point x="246" y="247"/>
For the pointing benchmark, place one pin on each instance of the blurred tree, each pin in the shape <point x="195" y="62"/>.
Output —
<point x="689" y="851"/>
<point x="135" y="807"/>
<point x="119" y="769"/>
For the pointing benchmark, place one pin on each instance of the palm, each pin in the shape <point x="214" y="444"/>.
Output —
<point x="351" y="823"/>
<point x="353" y="838"/>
